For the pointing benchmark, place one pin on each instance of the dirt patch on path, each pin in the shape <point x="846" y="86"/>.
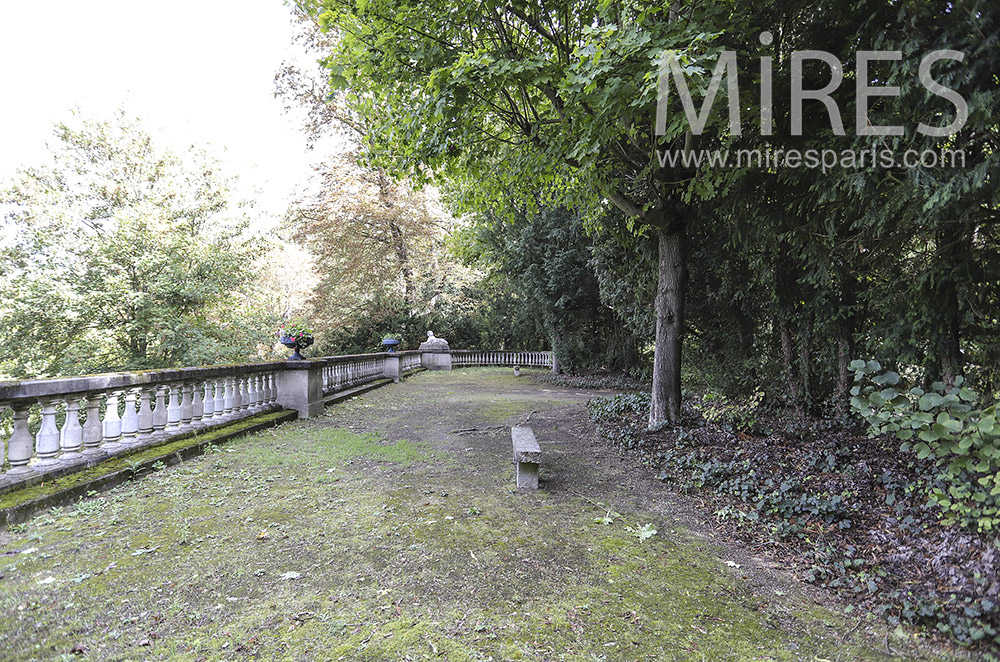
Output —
<point x="389" y="529"/>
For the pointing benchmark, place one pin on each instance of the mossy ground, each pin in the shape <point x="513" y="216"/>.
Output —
<point x="377" y="532"/>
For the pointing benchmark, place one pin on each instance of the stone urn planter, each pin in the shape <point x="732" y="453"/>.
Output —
<point x="297" y="345"/>
<point x="390" y="344"/>
<point x="295" y="335"/>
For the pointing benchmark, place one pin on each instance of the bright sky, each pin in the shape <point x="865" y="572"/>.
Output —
<point x="194" y="71"/>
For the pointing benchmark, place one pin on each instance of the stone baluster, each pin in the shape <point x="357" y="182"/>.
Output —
<point x="160" y="413"/>
<point x="130" y="419"/>
<point x="93" y="429"/>
<point x="3" y="450"/>
<point x="112" y="419"/>
<point x="248" y="395"/>
<point x="237" y="395"/>
<point x="20" y="446"/>
<point x="208" y="401"/>
<point x="187" y="405"/>
<point x="220" y="399"/>
<point x="145" y="417"/>
<point x="71" y="437"/>
<point x="197" y="402"/>
<point x="248" y="392"/>
<point x="174" y="407"/>
<point x="252" y="393"/>
<point x="47" y="438"/>
<point x="229" y="396"/>
<point x="265" y="390"/>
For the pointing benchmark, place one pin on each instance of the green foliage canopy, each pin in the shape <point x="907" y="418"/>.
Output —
<point x="123" y="255"/>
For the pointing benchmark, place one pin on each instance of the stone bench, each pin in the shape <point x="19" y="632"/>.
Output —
<point x="527" y="456"/>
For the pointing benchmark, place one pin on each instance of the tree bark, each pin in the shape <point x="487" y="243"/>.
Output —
<point x="805" y="362"/>
<point x="845" y="343"/>
<point x="954" y="248"/>
<point x="403" y="259"/>
<point x="788" y="360"/>
<point x="843" y="377"/>
<point x="671" y="276"/>
<point x="554" y="334"/>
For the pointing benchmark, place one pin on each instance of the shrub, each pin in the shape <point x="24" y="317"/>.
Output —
<point x="943" y="423"/>
<point x="739" y="414"/>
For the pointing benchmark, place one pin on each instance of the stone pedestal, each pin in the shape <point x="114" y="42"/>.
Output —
<point x="390" y="368"/>
<point x="435" y="354"/>
<point x="300" y="387"/>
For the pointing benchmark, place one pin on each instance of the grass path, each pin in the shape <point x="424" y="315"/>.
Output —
<point x="377" y="533"/>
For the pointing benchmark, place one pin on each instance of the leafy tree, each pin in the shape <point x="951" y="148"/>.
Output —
<point x="124" y="256"/>
<point x="896" y="262"/>
<point x="380" y="255"/>
<point x="519" y="99"/>
<point x="546" y="258"/>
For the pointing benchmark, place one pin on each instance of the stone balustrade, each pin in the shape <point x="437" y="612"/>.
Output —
<point x="82" y="420"/>
<point x="61" y="425"/>
<point x="343" y="372"/>
<point x="475" y="357"/>
<point x="409" y="361"/>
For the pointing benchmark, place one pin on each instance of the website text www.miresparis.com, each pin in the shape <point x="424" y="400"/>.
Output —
<point x="866" y="87"/>
<point x="813" y="159"/>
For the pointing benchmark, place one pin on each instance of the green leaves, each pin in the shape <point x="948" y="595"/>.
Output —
<point x="139" y="260"/>
<point x="644" y="532"/>
<point x="964" y="441"/>
<point x="929" y="401"/>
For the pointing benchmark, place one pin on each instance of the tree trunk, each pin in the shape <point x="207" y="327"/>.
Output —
<point x="805" y="362"/>
<point x="845" y="343"/>
<point x="671" y="275"/>
<point x="843" y="377"/>
<point x="954" y="255"/>
<point x="788" y="359"/>
<point x="403" y="259"/>
<point x="554" y="334"/>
